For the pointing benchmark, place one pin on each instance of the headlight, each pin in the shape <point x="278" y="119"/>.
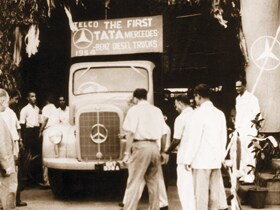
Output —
<point x="55" y="136"/>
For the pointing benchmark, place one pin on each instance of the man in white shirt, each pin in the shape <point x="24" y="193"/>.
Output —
<point x="49" y="118"/>
<point x="29" y="120"/>
<point x="184" y="177"/>
<point x="49" y="115"/>
<point x="13" y="102"/>
<point x="8" y="175"/>
<point x="63" y="111"/>
<point x="144" y="124"/>
<point x="163" y="199"/>
<point x="204" y="151"/>
<point x="247" y="107"/>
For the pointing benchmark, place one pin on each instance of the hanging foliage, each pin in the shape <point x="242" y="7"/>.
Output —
<point x="16" y="16"/>
<point x="20" y="20"/>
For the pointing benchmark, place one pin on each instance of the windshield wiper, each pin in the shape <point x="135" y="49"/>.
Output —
<point x="139" y="72"/>
<point x="86" y="71"/>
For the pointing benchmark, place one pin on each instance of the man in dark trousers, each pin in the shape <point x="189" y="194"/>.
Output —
<point x="30" y="122"/>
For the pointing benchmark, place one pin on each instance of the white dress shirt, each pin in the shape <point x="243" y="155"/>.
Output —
<point x="145" y="121"/>
<point x="11" y="120"/>
<point x="247" y="107"/>
<point x="29" y="115"/>
<point x="63" y="115"/>
<point x="50" y="112"/>
<point x="207" y="138"/>
<point x="181" y="130"/>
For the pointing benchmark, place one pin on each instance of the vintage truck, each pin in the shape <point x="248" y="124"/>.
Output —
<point x="99" y="96"/>
<point x="110" y="59"/>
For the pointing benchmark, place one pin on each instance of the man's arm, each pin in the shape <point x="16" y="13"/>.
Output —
<point x="129" y="141"/>
<point x="43" y="125"/>
<point x="3" y="150"/>
<point x="173" y="146"/>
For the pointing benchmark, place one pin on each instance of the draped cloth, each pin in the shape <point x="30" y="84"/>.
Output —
<point x="232" y="165"/>
<point x="260" y="21"/>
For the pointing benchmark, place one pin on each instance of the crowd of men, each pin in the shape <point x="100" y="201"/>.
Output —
<point x="199" y="135"/>
<point x="21" y="130"/>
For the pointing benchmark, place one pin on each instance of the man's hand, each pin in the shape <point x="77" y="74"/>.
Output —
<point x="8" y="171"/>
<point x="20" y="144"/>
<point x="164" y="158"/>
<point x="188" y="167"/>
<point x="40" y="134"/>
<point x="126" y="157"/>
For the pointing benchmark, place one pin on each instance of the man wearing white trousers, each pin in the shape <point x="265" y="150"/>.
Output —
<point x="184" y="177"/>
<point x="205" y="151"/>
<point x="247" y="107"/>
<point x="144" y="125"/>
<point x="163" y="199"/>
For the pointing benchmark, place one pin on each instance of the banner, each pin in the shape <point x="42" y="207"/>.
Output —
<point x="118" y="36"/>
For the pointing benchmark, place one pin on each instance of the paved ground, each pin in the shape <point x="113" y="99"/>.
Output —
<point x="44" y="200"/>
<point x="100" y="192"/>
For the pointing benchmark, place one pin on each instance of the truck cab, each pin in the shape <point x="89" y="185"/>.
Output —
<point x="99" y="96"/>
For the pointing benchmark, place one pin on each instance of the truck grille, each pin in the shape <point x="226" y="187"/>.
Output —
<point x="111" y="147"/>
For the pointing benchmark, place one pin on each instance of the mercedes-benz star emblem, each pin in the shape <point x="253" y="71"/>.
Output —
<point x="99" y="133"/>
<point x="265" y="52"/>
<point x="83" y="38"/>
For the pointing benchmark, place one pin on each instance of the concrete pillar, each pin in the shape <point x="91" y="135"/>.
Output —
<point x="260" y="22"/>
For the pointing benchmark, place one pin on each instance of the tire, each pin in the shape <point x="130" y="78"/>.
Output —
<point x="56" y="179"/>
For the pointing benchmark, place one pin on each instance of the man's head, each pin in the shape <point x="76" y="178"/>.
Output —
<point x="62" y="102"/>
<point x="201" y="93"/>
<point x="181" y="102"/>
<point x="4" y="100"/>
<point x="31" y="98"/>
<point x="50" y="99"/>
<point x="14" y="97"/>
<point x="240" y="86"/>
<point x="139" y="94"/>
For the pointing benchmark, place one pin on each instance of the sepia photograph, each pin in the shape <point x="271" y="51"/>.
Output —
<point x="139" y="104"/>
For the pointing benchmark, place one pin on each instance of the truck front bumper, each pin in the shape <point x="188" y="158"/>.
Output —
<point x="75" y="164"/>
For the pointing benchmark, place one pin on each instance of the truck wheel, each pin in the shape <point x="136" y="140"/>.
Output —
<point x="57" y="182"/>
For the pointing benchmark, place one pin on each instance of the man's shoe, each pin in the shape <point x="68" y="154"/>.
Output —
<point x="21" y="203"/>
<point x="44" y="186"/>
<point x="164" y="208"/>
<point x="121" y="205"/>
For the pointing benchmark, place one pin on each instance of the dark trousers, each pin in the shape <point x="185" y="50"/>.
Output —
<point x="33" y="143"/>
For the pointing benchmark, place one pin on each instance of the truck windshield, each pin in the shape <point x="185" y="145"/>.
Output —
<point x="109" y="79"/>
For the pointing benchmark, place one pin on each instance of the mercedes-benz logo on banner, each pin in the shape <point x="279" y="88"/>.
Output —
<point x="82" y="38"/>
<point x="99" y="133"/>
<point x="265" y="52"/>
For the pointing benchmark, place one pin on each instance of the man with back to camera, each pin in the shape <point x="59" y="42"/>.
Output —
<point x="184" y="177"/>
<point x="49" y="118"/>
<point x="204" y="151"/>
<point x="143" y="125"/>
<point x="163" y="200"/>
<point x="247" y="107"/>
<point x="8" y="175"/>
